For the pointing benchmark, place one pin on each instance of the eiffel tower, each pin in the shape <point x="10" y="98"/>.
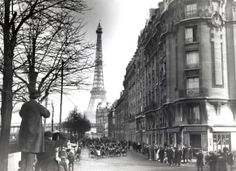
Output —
<point x="98" y="93"/>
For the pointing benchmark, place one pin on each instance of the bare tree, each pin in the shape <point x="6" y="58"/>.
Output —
<point x="15" y="17"/>
<point x="46" y="48"/>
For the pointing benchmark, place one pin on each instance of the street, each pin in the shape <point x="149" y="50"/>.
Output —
<point x="132" y="162"/>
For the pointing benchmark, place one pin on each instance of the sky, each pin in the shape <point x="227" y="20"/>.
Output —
<point x="122" y="22"/>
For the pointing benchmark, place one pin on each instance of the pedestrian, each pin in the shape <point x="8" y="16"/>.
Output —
<point x="200" y="161"/>
<point x="230" y="160"/>
<point x="175" y="156"/>
<point x="63" y="164"/>
<point x="221" y="163"/>
<point x="78" y="152"/>
<point x="212" y="161"/>
<point x="170" y="154"/>
<point x="190" y="154"/>
<point x="178" y="156"/>
<point x="185" y="154"/>
<point x="71" y="159"/>
<point x="46" y="161"/>
<point x="161" y="154"/>
<point x="31" y="134"/>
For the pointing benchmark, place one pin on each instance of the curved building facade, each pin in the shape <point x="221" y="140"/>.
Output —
<point x="185" y="75"/>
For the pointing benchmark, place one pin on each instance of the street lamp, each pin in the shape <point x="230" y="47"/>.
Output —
<point x="62" y="66"/>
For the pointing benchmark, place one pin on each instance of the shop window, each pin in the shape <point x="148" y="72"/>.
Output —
<point x="191" y="10"/>
<point x="191" y="34"/>
<point x="220" y="141"/>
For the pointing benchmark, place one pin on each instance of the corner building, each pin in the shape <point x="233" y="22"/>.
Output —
<point x="185" y="75"/>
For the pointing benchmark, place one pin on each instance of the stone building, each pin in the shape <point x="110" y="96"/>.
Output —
<point x="182" y="89"/>
<point x="111" y="121"/>
<point x="102" y="112"/>
<point x="129" y="86"/>
<point x="121" y="117"/>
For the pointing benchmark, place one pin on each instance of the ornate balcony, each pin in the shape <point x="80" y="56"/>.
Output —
<point x="191" y="13"/>
<point x="193" y="92"/>
<point x="192" y="66"/>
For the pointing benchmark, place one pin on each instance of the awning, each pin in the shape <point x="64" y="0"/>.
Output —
<point x="224" y="129"/>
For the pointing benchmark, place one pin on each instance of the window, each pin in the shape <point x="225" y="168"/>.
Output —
<point x="221" y="140"/>
<point x="179" y="117"/>
<point x="192" y="58"/>
<point x="193" y="86"/>
<point x="194" y="114"/>
<point x="190" y="10"/>
<point x="191" y="34"/>
<point x="193" y="83"/>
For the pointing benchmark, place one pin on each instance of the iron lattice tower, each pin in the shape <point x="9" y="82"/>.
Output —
<point x="98" y="93"/>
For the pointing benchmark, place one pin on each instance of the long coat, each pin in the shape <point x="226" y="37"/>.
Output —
<point x="31" y="134"/>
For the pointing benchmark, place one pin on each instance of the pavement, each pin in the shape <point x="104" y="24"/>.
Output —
<point x="132" y="162"/>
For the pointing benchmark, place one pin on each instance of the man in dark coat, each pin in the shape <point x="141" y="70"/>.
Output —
<point x="170" y="154"/>
<point x="31" y="134"/>
<point x="46" y="161"/>
<point x="200" y="161"/>
<point x="212" y="161"/>
<point x="178" y="156"/>
<point x="161" y="154"/>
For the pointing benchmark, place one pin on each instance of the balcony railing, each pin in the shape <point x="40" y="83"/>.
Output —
<point x="191" y="13"/>
<point x="193" y="92"/>
<point x="192" y="66"/>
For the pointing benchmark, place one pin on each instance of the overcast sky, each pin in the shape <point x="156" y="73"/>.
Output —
<point x="122" y="21"/>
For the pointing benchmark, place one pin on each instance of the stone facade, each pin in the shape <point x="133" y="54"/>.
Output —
<point x="102" y="112"/>
<point x="180" y="84"/>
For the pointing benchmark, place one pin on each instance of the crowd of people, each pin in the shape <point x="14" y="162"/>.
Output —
<point x="59" y="154"/>
<point x="104" y="147"/>
<point x="173" y="156"/>
<point x="220" y="161"/>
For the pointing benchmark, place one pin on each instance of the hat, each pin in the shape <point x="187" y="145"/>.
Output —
<point x="34" y="95"/>
<point x="48" y="134"/>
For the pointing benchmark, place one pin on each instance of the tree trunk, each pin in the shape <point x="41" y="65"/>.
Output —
<point x="6" y="107"/>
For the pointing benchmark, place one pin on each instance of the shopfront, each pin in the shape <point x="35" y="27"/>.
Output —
<point x="196" y="137"/>
<point x="223" y="137"/>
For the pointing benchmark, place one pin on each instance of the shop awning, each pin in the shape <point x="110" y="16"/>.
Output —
<point x="224" y="129"/>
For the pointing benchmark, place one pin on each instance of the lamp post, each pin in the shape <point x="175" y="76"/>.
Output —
<point x="62" y="67"/>
<point x="52" y="121"/>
